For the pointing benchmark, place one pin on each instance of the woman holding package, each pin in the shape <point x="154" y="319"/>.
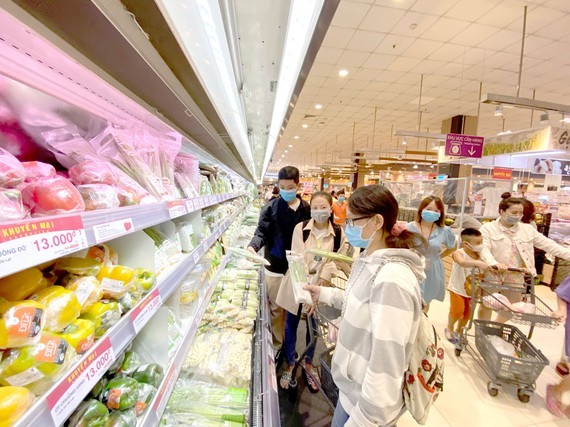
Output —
<point x="429" y="224"/>
<point x="381" y="310"/>
<point x="317" y="233"/>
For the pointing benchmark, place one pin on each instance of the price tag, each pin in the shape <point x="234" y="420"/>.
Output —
<point x="26" y="243"/>
<point x="176" y="208"/>
<point x="196" y="257"/>
<point x="190" y="205"/>
<point x="165" y="391"/>
<point x="73" y="388"/>
<point x="145" y="310"/>
<point x="110" y="230"/>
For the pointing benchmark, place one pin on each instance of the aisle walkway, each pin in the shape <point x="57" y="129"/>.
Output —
<point x="465" y="401"/>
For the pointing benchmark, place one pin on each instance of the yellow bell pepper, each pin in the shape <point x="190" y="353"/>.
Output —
<point x="62" y="307"/>
<point x="104" y="314"/>
<point x="14" y="401"/>
<point x="115" y="280"/>
<point x="80" y="335"/>
<point x="87" y="290"/>
<point x="21" y="323"/>
<point x="79" y="266"/>
<point x="20" y="286"/>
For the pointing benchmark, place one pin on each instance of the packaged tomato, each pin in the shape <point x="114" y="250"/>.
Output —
<point x="98" y="196"/>
<point x="38" y="170"/>
<point x="11" y="206"/>
<point x="12" y="172"/>
<point x="52" y="196"/>
<point x="92" y="173"/>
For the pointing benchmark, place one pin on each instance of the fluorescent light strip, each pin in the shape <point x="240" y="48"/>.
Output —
<point x="538" y="153"/>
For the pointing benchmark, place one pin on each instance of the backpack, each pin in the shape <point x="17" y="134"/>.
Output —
<point x="337" y="234"/>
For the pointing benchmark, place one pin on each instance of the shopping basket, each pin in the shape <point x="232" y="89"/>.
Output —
<point x="328" y="387"/>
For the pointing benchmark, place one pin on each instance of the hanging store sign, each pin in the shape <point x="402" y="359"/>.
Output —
<point x="551" y="166"/>
<point x="502" y="173"/>
<point x="457" y="145"/>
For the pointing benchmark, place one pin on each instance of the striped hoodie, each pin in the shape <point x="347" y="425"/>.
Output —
<point x="376" y="334"/>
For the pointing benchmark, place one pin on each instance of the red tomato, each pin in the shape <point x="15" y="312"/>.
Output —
<point x="52" y="196"/>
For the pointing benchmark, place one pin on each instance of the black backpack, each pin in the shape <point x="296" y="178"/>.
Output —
<point x="337" y="234"/>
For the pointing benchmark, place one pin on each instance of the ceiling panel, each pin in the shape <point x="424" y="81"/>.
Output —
<point x="365" y="41"/>
<point x="350" y="14"/>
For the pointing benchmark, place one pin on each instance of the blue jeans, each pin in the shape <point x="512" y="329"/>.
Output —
<point x="340" y="416"/>
<point x="290" y="343"/>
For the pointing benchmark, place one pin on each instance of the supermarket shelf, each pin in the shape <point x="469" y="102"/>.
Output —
<point x="91" y="228"/>
<point x="153" y="414"/>
<point x="55" y="406"/>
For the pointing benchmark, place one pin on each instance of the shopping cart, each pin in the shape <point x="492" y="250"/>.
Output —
<point x="522" y="368"/>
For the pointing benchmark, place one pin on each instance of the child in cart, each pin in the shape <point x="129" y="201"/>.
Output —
<point x="460" y="286"/>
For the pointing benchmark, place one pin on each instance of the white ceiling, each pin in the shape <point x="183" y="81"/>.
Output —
<point x="386" y="45"/>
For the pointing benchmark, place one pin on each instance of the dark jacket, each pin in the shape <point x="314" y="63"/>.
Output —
<point x="275" y="231"/>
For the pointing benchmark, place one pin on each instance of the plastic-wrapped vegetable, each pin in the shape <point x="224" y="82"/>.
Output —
<point x="21" y="323"/>
<point x="38" y="170"/>
<point x="120" y="393"/>
<point x="103" y="254"/>
<point x="98" y="388"/>
<point x="104" y="315"/>
<point x="78" y="266"/>
<point x="130" y="299"/>
<point x="98" y="196"/>
<point x="145" y="279"/>
<point x="14" y="401"/>
<point x="90" y="413"/>
<point x="145" y="394"/>
<point x="115" y="280"/>
<point x="12" y="172"/>
<point x="131" y="363"/>
<point x="87" y="290"/>
<point x="127" y="418"/>
<point x="149" y="374"/>
<point x="92" y="173"/>
<point x="37" y="366"/>
<point x="11" y="206"/>
<point x="21" y="285"/>
<point x="62" y="307"/>
<point x="497" y="301"/>
<point x="52" y="196"/>
<point x="116" y="365"/>
<point x="80" y="335"/>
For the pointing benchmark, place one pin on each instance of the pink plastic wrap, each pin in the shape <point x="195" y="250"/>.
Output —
<point x="12" y="172"/>
<point x="188" y="165"/>
<point x="92" y="173"/>
<point x="11" y="207"/>
<point x="98" y="196"/>
<point x="52" y="196"/>
<point x="38" y="170"/>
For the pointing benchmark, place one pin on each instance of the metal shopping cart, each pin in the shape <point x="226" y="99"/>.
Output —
<point x="522" y="368"/>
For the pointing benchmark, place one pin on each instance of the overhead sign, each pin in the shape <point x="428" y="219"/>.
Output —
<point x="551" y="166"/>
<point x="502" y="173"/>
<point x="457" y="145"/>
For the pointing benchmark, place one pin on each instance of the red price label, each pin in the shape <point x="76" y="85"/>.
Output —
<point x="176" y="208"/>
<point x="145" y="310"/>
<point x="65" y="398"/>
<point x="165" y="391"/>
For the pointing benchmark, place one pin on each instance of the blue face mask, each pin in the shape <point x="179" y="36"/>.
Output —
<point x="341" y="198"/>
<point x="430" y="216"/>
<point x="354" y="236"/>
<point x="288" y="195"/>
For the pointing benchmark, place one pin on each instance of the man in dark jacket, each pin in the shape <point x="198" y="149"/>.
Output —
<point x="275" y="232"/>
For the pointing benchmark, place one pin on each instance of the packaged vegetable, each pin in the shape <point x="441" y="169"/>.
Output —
<point x="12" y="172"/>
<point x="145" y="394"/>
<point x="14" y="401"/>
<point x="80" y="335"/>
<point x="115" y="280"/>
<point x="21" y="285"/>
<point x="52" y="196"/>
<point x="149" y="374"/>
<point x="11" y="206"/>
<point x="120" y="393"/>
<point x="125" y="418"/>
<point x="98" y="388"/>
<point x="92" y="173"/>
<point x="87" y="289"/>
<point x="21" y="323"/>
<point x="130" y="299"/>
<point x="90" y="413"/>
<point x="131" y="363"/>
<point x="103" y="254"/>
<point x="62" y="307"/>
<point x="116" y="365"/>
<point x="78" y="266"/>
<point x="98" y="196"/>
<point x="104" y="315"/>
<point x="38" y="170"/>
<point x="37" y="366"/>
<point x="497" y="301"/>
<point x="145" y="279"/>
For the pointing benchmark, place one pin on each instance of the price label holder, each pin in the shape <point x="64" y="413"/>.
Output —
<point x="196" y="256"/>
<point x="67" y="396"/>
<point x="110" y="230"/>
<point x="176" y="208"/>
<point x="40" y="241"/>
<point x="165" y="391"/>
<point x="145" y="310"/>
<point x="190" y="205"/>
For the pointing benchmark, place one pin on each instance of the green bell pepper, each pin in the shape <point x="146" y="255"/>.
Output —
<point x="90" y="413"/>
<point x="120" y="393"/>
<point x="149" y="374"/>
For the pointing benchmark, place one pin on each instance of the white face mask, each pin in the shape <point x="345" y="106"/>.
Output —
<point x="320" y="215"/>
<point x="476" y="248"/>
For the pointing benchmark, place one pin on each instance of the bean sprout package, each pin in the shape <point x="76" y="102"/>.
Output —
<point x="298" y="277"/>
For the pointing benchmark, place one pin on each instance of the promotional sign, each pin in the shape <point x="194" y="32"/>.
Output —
<point x="457" y="145"/>
<point x="141" y="314"/>
<point x="518" y="142"/>
<point x="502" y="173"/>
<point x="551" y="166"/>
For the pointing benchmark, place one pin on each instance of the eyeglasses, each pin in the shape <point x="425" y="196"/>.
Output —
<point x="350" y="221"/>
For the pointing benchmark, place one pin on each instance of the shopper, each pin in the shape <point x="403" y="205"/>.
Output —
<point x="275" y="193"/>
<point x="429" y="223"/>
<point x="381" y="310"/>
<point x="507" y="243"/>
<point x="528" y="213"/>
<point x="317" y="233"/>
<point x="339" y="209"/>
<point x="274" y="232"/>
<point x="460" y="281"/>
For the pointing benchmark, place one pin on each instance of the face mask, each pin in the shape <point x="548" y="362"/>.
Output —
<point x="512" y="220"/>
<point x="430" y="216"/>
<point x="354" y="236"/>
<point x="341" y="198"/>
<point x="288" y="195"/>
<point x="476" y="248"/>
<point x="320" y="215"/>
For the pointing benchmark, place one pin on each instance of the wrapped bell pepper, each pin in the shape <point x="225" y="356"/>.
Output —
<point x="87" y="290"/>
<point x="145" y="279"/>
<point x="21" y="285"/>
<point x="116" y="365"/>
<point x="149" y="374"/>
<point x="115" y="280"/>
<point x="14" y="401"/>
<point x="11" y="206"/>
<point x="62" y="307"/>
<point x="120" y="393"/>
<point x="90" y="413"/>
<point x="131" y="363"/>
<point x="145" y="394"/>
<point x="80" y="335"/>
<point x="78" y="266"/>
<point x="102" y="253"/>
<point x="125" y="418"/>
<point x="21" y="323"/>
<point x="104" y="315"/>
<point x="98" y="388"/>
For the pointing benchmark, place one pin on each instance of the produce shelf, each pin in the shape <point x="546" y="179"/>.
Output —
<point x="55" y="406"/>
<point x="21" y="243"/>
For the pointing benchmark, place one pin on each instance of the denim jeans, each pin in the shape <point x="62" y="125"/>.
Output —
<point x="340" y="416"/>
<point x="290" y="343"/>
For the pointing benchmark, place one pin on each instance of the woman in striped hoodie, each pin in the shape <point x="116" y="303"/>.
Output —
<point x="381" y="309"/>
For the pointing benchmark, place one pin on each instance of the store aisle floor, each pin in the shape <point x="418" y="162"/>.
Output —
<point x="465" y="401"/>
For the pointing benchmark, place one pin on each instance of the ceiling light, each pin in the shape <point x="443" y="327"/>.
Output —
<point x="499" y="111"/>
<point x="343" y="73"/>
<point x="296" y="137"/>
<point x="290" y="145"/>
<point x="432" y="166"/>
<point x="415" y="166"/>
<point x="533" y="104"/>
<point x="304" y="125"/>
<point x="404" y="142"/>
<point x="536" y="153"/>
<point x="318" y="106"/>
<point x="286" y="151"/>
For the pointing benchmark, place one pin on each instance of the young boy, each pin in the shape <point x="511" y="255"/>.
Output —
<point x="275" y="232"/>
<point x="464" y="259"/>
